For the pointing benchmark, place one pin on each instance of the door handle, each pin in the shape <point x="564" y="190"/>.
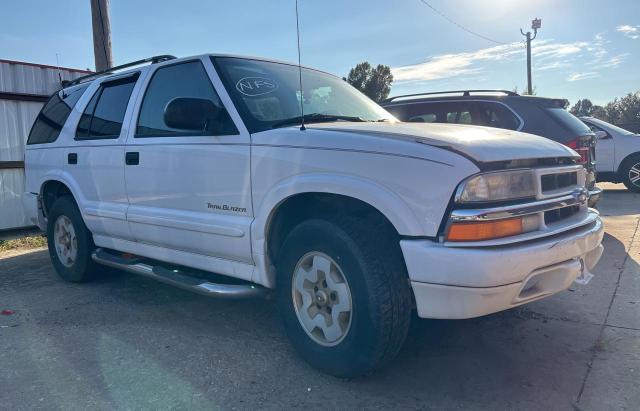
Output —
<point x="72" y="158"/>
<point x="132" y="158"/>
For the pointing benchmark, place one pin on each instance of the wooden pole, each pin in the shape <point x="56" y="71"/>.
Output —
<point x="101" y="34"/>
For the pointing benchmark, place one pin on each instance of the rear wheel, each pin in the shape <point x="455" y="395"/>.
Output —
<point x="630" y="173"/>
<point x="344" y="296"/>
<point x="70" y="242"/>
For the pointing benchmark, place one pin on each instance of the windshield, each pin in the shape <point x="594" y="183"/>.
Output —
<point x="604" y="124"/>
<point x="268" y="94"/>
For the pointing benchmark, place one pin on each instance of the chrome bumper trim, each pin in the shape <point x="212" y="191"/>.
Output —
<point x="577" y="197"/>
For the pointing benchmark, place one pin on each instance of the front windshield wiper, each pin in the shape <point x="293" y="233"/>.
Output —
<point x="315" y="118"/>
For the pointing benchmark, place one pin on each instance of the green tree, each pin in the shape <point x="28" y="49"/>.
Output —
<point x="624" y="111"/>
<point x="585" y="107"/>
<point x="374" y="82"/>
<point x="534" y="92"/>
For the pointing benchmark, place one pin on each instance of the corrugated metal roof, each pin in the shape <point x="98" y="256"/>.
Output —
<point x="16" y="118"/>
<point x="17" y="77"/>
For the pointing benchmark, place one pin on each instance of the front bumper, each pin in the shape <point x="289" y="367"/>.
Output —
<point x="466" y="282"/>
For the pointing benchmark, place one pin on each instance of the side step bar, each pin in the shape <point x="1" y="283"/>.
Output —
<point x="175" y="278"/>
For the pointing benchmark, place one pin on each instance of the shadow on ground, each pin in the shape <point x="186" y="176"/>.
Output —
<point x="129" y="342"/>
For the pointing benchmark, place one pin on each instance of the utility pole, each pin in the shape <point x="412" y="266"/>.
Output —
<point x="101" y="34"/>
<point x="535" y="25"/>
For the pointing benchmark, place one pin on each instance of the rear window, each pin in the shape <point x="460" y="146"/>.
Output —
<point x="568" y="121"/>
<point x="54" y="114"/>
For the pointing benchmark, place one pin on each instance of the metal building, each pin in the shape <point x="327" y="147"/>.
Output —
<point x="24" y="88"/>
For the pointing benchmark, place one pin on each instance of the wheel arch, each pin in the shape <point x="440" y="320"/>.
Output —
<point x="52" y="188"/>
<point x="624" y="160"/>
<point x="343" y="193"/>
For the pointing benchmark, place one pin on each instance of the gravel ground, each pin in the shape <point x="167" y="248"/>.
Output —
<point x="125" y="342"/>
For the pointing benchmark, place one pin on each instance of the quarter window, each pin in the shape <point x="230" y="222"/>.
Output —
<point x="182" y="80"/>
<point x="103" y="116"/>
<point x="54" y="114"/>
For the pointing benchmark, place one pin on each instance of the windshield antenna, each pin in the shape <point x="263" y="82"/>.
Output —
<point x="302" y="127"/>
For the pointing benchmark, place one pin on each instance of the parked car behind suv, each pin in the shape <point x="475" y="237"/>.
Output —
<point x="618" y="152"/>
<point x="198" y="172"/>
<point x="544" y="117"/>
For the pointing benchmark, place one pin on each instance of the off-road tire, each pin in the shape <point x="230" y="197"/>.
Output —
<point x="381" y="297"/>
<point x="83" y="268"/>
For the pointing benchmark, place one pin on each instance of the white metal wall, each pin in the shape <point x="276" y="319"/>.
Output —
<point x="16" y="118"/>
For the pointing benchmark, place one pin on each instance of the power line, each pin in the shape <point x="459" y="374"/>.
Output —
<point x="460" y="25"/>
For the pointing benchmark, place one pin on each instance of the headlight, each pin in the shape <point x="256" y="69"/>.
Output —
<point x="498" y="186"/>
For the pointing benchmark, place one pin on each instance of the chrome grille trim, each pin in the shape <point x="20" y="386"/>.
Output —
<point x="577" y="197"/>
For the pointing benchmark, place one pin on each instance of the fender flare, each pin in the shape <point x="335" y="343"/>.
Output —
<point x="388" y="203"/>
<point x="64" y="178"/>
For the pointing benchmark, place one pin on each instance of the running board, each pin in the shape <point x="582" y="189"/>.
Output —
<point x="176" y="278"/>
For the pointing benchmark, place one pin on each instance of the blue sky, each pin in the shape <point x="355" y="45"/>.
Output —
<point x="586" y="48"/>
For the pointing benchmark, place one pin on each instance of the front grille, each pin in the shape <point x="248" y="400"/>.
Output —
<point x="558" y="214"/>
<point x="551" y="182"/>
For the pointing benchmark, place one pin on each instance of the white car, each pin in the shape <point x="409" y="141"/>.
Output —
<point x="188" y="167"/>
<point x="617" y="153"/>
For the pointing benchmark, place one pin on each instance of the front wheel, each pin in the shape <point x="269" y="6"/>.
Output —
<point x="630" y="173"/>
<point x="344" y="296"/>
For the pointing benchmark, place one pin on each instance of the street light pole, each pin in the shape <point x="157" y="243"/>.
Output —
<point x="535" y="25"/>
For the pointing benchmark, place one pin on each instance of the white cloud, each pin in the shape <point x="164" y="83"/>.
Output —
<point x="629" y="31"/>
<point x="552" y="66"/>
<point x="551" y="56"/>
<point x="614" y="61"/>
<point x="582" y="76"/>
<point x="452" y="65"/>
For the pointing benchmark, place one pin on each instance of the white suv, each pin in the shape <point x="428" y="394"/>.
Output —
<point x="188" y="167"/>
<point x="618" y="153"/>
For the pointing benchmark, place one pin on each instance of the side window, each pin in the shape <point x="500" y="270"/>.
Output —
<point x="54" y="114"/>
<point x="103" y="116"/>
<point x="459" y="113"/>
<point x="182" y="81"/>
<point x="416" y="112"/>
<point x="424" y="118"/>
<point x="499" y="116"/>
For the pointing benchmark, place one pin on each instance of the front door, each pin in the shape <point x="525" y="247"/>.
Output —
<point x="189" y="190"/>
<point x="605" y="149"/>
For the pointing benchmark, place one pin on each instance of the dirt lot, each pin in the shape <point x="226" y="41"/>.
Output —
<point x="125" y="342"/>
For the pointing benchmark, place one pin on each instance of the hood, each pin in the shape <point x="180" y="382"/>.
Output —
<point x="482" y="144"/>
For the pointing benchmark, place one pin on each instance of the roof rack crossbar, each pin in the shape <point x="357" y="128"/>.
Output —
<point x="152" y="60"/>
<point x="464" y="93"/>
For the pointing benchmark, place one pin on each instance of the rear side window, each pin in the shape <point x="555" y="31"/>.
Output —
<point x="498" y="116"/>
<point x="103" y="116"/>
<point x="54" y="114"/>
<point x="182" y="80"/>
<point x="458" y="112"/>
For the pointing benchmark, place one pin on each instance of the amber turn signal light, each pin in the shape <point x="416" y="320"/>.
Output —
<point x="485" y="230"/>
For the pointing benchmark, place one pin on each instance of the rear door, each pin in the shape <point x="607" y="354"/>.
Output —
<point x="95" y="160"/>
<point x="189" y="191"/>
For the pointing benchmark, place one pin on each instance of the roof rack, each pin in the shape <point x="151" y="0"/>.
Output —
<point x="152" y="60"/>
<point x="465" y="93"/>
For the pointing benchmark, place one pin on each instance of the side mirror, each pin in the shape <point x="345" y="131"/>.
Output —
<point x="601" y="135"/>
<point x="190" y="113"/>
